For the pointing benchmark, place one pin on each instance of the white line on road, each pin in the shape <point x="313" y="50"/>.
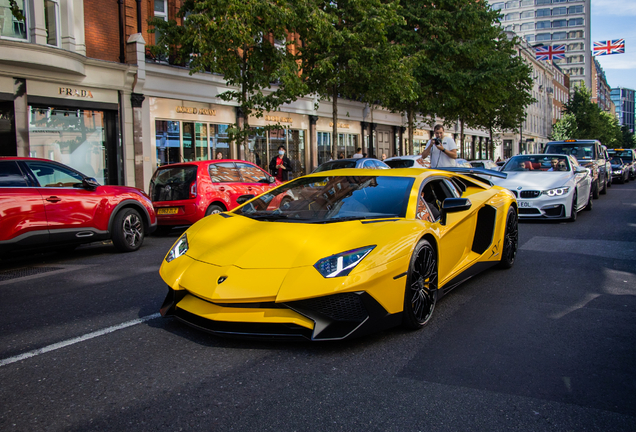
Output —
<point x="87" y="336"/>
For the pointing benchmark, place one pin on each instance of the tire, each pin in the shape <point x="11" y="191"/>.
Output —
<point x="510" y="240"/>
<point x="604" y="190"/>
<point x="596" y="189"/>
<point x="590" y="200"/>
<point x="574" y="213"/>
<point x="420" y="295"/>
<point x="128" y="230"/>
<point x="609" y="182"/>
<point x="213" y="209"/>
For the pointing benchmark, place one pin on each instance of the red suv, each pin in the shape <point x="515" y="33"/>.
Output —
<point x="44" y="203"/>
<point x="183" y="193"/>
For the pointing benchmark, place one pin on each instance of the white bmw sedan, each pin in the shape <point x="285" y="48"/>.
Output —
<point x="552" y="186"/>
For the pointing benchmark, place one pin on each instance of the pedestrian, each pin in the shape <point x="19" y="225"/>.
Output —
<point x="443" y="150"/>
<point x="219" y="155"/>
<point x="383" y="157"/>
<point x="341" y="155"/>
<point x="358" y="153"/>
<point x="280" y="166"/>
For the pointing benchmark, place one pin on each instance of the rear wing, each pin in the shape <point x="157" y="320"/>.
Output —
<point x="476" y="173"/>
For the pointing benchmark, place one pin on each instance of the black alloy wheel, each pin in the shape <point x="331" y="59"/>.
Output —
<point x="510" y="240"/>
<point x="421" y="286"/>
<point x="573" y="214"/>
<point x="128" y="230"/>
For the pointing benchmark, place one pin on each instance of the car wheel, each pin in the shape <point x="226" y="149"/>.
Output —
<point x="590" y="200"/>
<point x="604" y="190"/>
<point x="597" y="186"/>
<point x="609" y="182"/>
<point x="213" y="209"/>
<point x="573" y="212"/>
<point x="510" y="240"/>
<point x="421" y="286"/>
<point x="128" y="230"/>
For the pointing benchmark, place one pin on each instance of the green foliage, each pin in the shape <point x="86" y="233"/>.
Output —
<point x="564" y="128"/>
<point x="235" y="38"/>
<point x="629" y="141"/>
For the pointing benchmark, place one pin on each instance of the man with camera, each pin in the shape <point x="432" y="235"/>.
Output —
<point x="443" y="150"/>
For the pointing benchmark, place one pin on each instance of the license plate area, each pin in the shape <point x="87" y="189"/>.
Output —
<point x="168" y="211"/>
<point x="523" y="204"/>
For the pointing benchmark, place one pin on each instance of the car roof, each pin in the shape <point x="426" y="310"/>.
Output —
<point x="403" y="157"/>
<point x="204" y="162"/>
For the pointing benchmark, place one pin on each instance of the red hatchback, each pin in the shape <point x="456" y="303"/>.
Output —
<point x="183" y="193"/>
<point x="44" y="203"/>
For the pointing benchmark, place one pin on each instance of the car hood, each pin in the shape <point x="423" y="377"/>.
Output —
<point x="250" y="244"/>
<point x="617" y="166"/>
<point x="534" y="180"/>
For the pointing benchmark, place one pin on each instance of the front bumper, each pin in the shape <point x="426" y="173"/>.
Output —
<point x="332" y="317"/>
<point x="544" y="207"/>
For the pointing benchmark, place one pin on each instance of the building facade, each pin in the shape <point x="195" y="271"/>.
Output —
<point x="561" y="93"/>
<point x="623" y="99"/>
<point x="601" y="91"/>
<point x="553" y="22"/>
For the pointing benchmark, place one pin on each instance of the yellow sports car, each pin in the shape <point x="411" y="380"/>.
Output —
<point x="339" y="254"/>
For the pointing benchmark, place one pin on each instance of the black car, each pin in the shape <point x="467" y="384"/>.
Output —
<point x="590" y="154"/>
<point x="620" y="170"/>
<point x="628" y="157"/>
<point x="369" y="163"/>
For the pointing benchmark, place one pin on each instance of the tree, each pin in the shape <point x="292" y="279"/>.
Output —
<point x="564" y="128"/>
<point x="629" y="141"/>
<point x="237" y="38"/>
<point x="351" y="56"/>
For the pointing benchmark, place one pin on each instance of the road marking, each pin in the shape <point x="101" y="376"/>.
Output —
<point x="83" y="338"/>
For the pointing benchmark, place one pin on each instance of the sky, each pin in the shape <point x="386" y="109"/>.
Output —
<point x="616" y="19"/>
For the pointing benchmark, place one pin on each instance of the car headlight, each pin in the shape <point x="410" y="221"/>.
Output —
<point x="341" y="264"/>
<point x="179" y="248"/>
<point x="556" y="191"/>
<point x="617" y="171"/>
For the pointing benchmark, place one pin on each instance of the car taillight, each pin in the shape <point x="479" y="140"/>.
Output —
<point x="193" y="190"/>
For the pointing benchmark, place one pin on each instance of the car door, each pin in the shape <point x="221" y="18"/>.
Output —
<point x="70" y="209"/>
<point x="226" y="183"/>
<point x="22" y="214"/>
<point x="255" y="180"/>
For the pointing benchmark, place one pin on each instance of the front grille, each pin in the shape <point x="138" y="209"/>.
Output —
<point x="530" y="193"/>
<point x="338" y="307"/>
<point x="529" y="211"/>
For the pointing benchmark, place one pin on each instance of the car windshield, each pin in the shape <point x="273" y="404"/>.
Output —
<point x="400" y="163"/>
<point x="337" y="164"/>
<point x="616" y="160"/>
<point x="328" y="199"/>
<point x="579" y="150"/>
<point x="625" y="155"/>
<point x="536" y="163"/>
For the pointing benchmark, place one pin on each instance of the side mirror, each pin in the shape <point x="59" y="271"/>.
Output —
<point x="272" y="179"/>
<point x="244" y="198"/>
<point x="89" y="183"/>
<point x="453" y="205"/>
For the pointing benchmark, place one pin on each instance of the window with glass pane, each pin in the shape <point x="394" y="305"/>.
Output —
<point x="512" y="4"/>
<point x="49" y="175"/>
<point x="251" y="174"/>
<point x="257" y="148"/>
<point x="224" y="172"/>
<point x="543" y="12"/>
<point x="530" y="38"/>
<point x="167" y="134"/>
<point x="559" y="36"/>
<point x="543" y="2"/>
<point x="527" y="26"/>
<point x="498" y="6"/>
<point x="10" y="27"/>
<point x="512" y="16"/>
<point x="74" y="137"/>
<point x="51" y="13"/>
<point x="559" y="1"/>
<point x="161" y="8"/>
<point x="575" y="9"/>
<point x="222" y="142"/>
<point x="525" y="3"/>
<point x="201" y="141"/>
<point x="296" y="152"/>
<point x="559" y="23"/>
<point x="188" y="142"/>
<point x="543" y="37"/>
<point x="559" y="11"/>
<point x="575" y="22"/>
<point x="527" y="14"/>
<point x="543" y="24"/>
<point x="324" y="147"/>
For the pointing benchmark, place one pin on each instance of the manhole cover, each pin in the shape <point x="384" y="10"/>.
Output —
<point x="26" y="271"/>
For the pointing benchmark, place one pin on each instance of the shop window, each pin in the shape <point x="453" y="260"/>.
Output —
<point x="51" y="22"/>
<point x="324" y="147"/>
<point x="201" y="141"/>
<point x="10" y="27"/>
<point x="75" y="137"/>
<point x="221" y="143"/>
<point x="167" y="135"/>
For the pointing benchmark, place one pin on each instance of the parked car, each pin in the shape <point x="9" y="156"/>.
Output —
<point x="462" y="163"/>
<point x="369" y="163"/>
<point x="620" y="170"/>
<point x="590" y="154"/>
<point x="484" y="163"/>
<point x="552" y="186"/>
<point x="46" y="203"/>
<point x="408" y="161"/>
<point x="185" y="192"/>
<point x="359" y="251"/>
<point x="628" y="157"/>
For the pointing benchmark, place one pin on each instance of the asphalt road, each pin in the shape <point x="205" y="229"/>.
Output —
<point x="549" y="345"/>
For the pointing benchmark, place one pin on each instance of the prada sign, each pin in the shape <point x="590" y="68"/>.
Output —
<point x="66" y="91"/>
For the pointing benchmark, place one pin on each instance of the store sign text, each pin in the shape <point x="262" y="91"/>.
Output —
<point x="279" y="119"/>
<point x="65" y="91"/>
<point x="192" y="110"/>
<point x="340" y="125"/>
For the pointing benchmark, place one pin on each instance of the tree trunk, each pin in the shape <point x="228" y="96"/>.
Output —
<point x="410" y="115"/>
<point x="334" y="141"/>
<point x="461" y="137"/>
<point x="491" y="144"/>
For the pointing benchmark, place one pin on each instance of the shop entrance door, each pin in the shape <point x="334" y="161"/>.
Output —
<point x="8" y="144"/>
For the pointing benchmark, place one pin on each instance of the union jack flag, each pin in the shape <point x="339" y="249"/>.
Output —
<point x="550" y="52"/>
<point x="616" y="46"/>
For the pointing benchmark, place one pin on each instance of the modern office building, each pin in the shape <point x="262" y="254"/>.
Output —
<point x="550" y="23"/>
<point x="623" y="98"/>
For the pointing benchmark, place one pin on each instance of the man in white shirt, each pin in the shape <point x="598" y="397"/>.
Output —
<point x="358" y="153"/>
<point x="443" y="150"/>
